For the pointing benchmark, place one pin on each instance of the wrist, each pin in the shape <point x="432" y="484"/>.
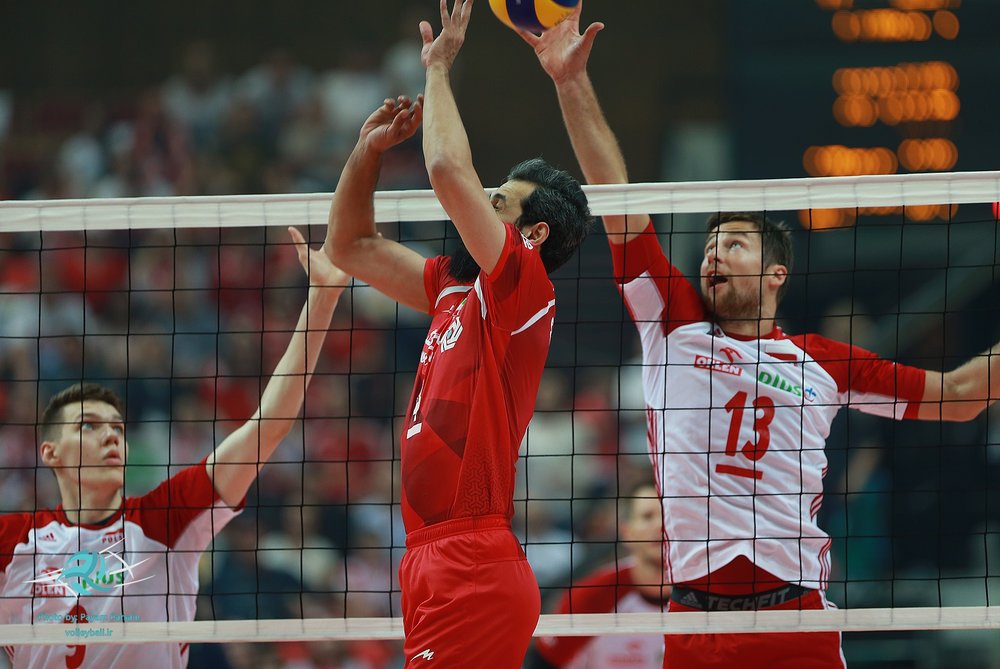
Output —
<point x="440" y="68"/>
<point x="571" y="80"/>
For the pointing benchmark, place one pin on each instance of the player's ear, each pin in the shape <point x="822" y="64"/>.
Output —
<point x="778" y="276"/>
<point x="536" y="233"/>
<point x="47" y="452"/>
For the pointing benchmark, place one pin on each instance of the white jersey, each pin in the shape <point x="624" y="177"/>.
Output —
<point x="54" y="572"/>
<point x="737" y="427"/>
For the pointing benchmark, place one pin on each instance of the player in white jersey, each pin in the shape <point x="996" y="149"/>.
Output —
<point x="100" y="557"/>
<point x="633" y="584"/>
<point x="738" y="411"/>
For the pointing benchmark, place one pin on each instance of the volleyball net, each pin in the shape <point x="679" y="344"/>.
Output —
<point x="183" y="306"/>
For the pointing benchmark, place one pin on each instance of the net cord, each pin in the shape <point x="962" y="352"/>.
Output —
<point x="603" y="624"/>
<point x="422" y="205"/>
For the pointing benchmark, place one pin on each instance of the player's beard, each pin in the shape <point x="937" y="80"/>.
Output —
<point x="733" y="305"/>
<point x="463" y="267"/>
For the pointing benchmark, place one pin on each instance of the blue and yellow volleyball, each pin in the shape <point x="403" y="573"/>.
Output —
<point x="532" y="15"/>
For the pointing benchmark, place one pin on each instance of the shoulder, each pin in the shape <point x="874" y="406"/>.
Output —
<point x="15" y="529"/>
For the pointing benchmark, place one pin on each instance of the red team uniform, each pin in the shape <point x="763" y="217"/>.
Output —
<point x="609" y="590"/>
<point x="470" y="598"/>
<point x="154" y="541"/>
<point x="737" y="429"/>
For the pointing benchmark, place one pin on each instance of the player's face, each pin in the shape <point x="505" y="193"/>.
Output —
<point x="90" y="449"/>
<point x="644" y="529"/>
<point x="731" y="272"/>
<point x="506" y="200"/>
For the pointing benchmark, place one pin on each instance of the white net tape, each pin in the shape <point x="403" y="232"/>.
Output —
<point x="650" y="198"/>
<point x="603" y="624"/>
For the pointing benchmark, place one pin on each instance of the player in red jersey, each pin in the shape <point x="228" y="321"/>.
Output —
<point x="470" y="598"/>
<point x="100" y="557"/>
<point x="739" y="417"/>
<point x="634" y="584"/>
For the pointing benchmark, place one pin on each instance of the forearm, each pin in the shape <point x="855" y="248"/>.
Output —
<point x="446" y="144"/>
<point x="593" y="141"/>
<point x="965" y="392"/>
<point x="352" y="211"/>
<point x="284" y="393"/>
<point x="596" y="148"/>
<point x="235" y="463"/>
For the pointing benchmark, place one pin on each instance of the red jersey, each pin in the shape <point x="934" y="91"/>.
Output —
<point x="476" y="384"/>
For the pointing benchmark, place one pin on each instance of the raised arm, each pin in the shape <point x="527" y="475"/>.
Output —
<point x="563" y="53"/>
<point x="446" y="145"/>
<point x="963" y="393"/>
<point x="234" y="464"/>
<point x="352" y="241"/>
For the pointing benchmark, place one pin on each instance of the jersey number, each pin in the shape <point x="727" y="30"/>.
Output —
<point x="75" y="659"/>
<point x="753" y="450"/>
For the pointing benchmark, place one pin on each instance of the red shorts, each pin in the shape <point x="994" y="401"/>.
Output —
<point x="781" y="650"/>
<point x="470" y="598"/>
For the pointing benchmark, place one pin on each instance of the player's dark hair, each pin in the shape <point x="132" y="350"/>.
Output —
<point x="52" y="419"/>
<point x="558" y="200"/>
<point x="775" y="239"/>
<point x="628" y="501"/>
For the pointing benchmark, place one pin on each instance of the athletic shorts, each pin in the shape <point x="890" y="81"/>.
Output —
<point x="470" y="598"/>
<point x="803" y="650"/>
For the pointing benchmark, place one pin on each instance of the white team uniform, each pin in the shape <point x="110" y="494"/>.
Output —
<point x="737" y="427"/>
<point x="159" y="536"/>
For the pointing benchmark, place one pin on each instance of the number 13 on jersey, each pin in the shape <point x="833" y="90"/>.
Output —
<point x="754" y="449"/>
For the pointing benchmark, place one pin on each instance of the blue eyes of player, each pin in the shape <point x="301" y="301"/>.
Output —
<point x="89" y="425"/>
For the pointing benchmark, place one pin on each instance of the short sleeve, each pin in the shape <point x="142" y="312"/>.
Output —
<point x="518" y="289"/>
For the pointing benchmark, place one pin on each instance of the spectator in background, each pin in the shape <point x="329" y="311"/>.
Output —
<point x="633" y="583"/>
<point x="198" y="97"/>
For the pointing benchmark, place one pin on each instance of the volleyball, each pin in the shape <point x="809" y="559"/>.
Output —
<point x="532" y="15"/>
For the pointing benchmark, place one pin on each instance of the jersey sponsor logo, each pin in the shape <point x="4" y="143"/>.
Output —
<point x="731" y="353"/>
<point x="87" y="573"/>
<point x="51" y="536"/>
<point x="49" y="589"/>
<point x="426" y="654"/>
<point x="715" y="365"/>
<point x="450" y="336"/>
<point x="780" y="383"/>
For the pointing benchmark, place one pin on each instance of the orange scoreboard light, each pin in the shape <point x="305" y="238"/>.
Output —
<point x="854" y="87"/>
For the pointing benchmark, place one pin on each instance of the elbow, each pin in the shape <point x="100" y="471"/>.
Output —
<point x="443" y="169"/>
<point x="963" y="411"/>
<point x="272" y="432"/>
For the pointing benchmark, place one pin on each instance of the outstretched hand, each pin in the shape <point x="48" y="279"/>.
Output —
<point x="443" y="49"/>
<point x="321" y="272"/>
<point x="392" y="123"/>
<point x="562" y="50"/>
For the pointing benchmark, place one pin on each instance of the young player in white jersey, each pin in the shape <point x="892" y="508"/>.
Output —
<point x="100" y="557"/>
<point x="633" y="584"/>
<point x="738" y="412"/>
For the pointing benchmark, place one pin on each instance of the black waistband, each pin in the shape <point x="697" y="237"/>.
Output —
<point x="707" y="601"/>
